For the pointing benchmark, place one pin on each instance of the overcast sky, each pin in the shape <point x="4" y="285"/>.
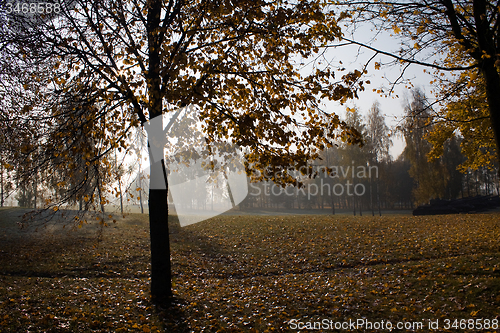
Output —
<point x="353" y="57"/>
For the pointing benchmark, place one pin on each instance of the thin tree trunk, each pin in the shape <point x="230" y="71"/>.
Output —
<point x="101" y="199"/>
<point x="462" y="187"/>
<point x="497" y="184"/>
<point x="35" y="192"/>
<point x="140" y="201"/>
<point x="119" y="177"/>
<point x="477" y="183"/>
<point x="468" y="183"/>
<point x="121" y="195"/>
<point x="371" y="198"/>
<point x="333" y="203"/>
<point x="378" y="200"/>
<point x="139" y="183"/>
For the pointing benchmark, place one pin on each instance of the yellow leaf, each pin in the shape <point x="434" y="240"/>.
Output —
<point x="396" y="29"/>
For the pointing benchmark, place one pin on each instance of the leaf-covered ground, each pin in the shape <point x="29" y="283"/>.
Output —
<point x="252" y="273"/>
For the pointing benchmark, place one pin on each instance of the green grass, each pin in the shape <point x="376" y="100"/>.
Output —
<point x="250" y="273"/>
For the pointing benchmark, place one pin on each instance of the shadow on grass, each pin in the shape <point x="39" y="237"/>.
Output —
<point x="171" y="314"/>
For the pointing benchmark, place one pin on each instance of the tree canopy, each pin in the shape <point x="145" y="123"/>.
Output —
<point x="448" y="37"/>
<point x="253" y="68"/>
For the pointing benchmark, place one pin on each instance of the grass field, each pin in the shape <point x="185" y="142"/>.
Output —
<point x="255" y="274"/>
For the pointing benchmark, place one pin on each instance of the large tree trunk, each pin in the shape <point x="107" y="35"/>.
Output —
<point x="492" y="79"/>
<point x="1" y="183"/>
<point x="486" y="41"/>
<point x="161" y="276"/>
<point x="161" y="285"/>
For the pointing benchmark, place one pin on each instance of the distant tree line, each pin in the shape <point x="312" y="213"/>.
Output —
<point x="415" y="177"/>
<point x="346" y="177"/>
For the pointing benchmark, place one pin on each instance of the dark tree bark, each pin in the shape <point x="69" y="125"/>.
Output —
<point x="486" y="41"/>
<point x="161" y="275"/>
<point x="485" y="53"/>
<point x="161" y="285"/>
<point x="1" y="183"/>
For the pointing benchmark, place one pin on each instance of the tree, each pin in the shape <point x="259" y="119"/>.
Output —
<point x="331" y="157"/>
<point x="444" y="35"/>
<point x="354" y="156"/>
<point x="378" y="133"/>
<point x="236" y="61"/>
<point x="139" y="183"/>
<point x="465" y="114"/>
<point x="6" y="184"/>
<point x="400" y="183"/>
<point x="14" y="131"/>
<point x="430" y="178"/>
<point x="452" y="158"/>
<point x="379" y="142"/>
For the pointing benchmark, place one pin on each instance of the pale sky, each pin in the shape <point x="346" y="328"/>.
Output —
<point x="353" y="57"/>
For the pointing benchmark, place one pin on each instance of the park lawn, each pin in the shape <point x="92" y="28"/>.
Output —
<point x="252" y="273"/>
